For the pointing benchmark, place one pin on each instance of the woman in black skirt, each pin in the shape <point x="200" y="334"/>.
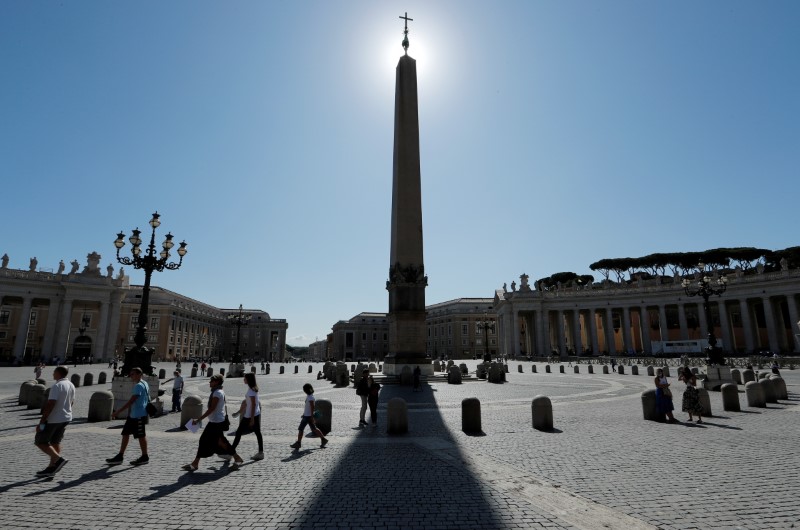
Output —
<point x="213" y="440"/>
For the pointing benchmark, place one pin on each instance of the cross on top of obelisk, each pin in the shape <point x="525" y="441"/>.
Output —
<point x="405" y="32"/>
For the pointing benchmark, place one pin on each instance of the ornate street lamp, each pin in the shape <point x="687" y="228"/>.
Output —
<point x="487" y="325"/>
<point x="706" y="287"/>
<point x="240" y="319"/>
<point x="148" y="261"/>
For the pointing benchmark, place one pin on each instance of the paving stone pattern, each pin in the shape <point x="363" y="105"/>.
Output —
<point x="603" y="466"/>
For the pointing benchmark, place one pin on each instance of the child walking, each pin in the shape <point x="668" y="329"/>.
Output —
<point x="308" y="419"/>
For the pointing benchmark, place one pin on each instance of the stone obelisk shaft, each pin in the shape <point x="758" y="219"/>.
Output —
<point x="407" y="280"/>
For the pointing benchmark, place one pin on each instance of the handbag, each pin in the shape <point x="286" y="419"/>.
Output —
<point x="151" y="409"/>
<point x="226" y="423"/>
<point x="666" y="392"/>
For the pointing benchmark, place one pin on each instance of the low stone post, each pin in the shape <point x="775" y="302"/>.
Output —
<point x="666" y="371"/>
<point x="437" y="367"/>
<point x="649" y="406"/>
<point x="36" y="399"/>
<point x="591" y="369"/>
<point x="471" y="416"/>
<point x="450" y="363"/>
<point x="325" y="420"/>
<point x="576" y="369"/>
<point x="252" y="369"/>
<point x="101" y="405"/>
<point x="88" y="379"/>
<point x="755" y="394"/>
<point x="747" y="376"/>
<point x="547" y="368"/>
<point x="222" y="371"/>
<point x="695" y="371"/>
<point x="162" y="374"/>
<point x="24" y="390"/>
<point x="372" y="368"/>
<point x="101" y="379"/>
<point x="505" y="368"/>
<point x="542" y="413"/>
<point x="210" y="372"/>
<point x="561" y="368"/>
<point x="730" y="397"/>
<point x="194" y="372"/>
<point x="41" y="381"/>
<point x="605" y="369"/>
<point x="464" y="369"/>
<point x="191" y="409"/>
<point x="496" y="373"/>
<point x="634" y="370"/>
<point x="397" y="416"/>
<point x="621" y="370"/>
<point x="779" y="385"/>
<point x="406" y="376"/>
<point x="310" y="369"/>
<point x="296" y="369"/>
<point x="533" y="368"/>
<point x="76" y="380"/>
<point x="519" y="368"/>
<point x="341" y="375"/>
<point x="454" y="375"/>
<point x="651" y="371"/>
<point x="762" y="375"/>
<point x="769" y="391"/>
<point x="281" y="369"/>
<point x="480" y="372"/>
<point x="352" y="368"/>
<point x="267" y="368"/>
<point x="736" y="375"/>
<point x="705" y="401"/>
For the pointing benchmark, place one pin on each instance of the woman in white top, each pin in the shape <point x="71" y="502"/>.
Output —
<point x="251" y="417"/>
<point x="213" y="438"/>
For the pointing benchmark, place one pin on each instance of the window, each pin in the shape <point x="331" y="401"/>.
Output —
<point x="449" y="330"/>
<point x="33" y="318"/>
<point x="385" y="337"/>
<point x="374" y="336"/>
<point x="478" y="329"/>
<point x="134" y="322"/>
<point x="492" y="342"/>
<point x="154" y="322"/>
<point x="464" y="329"/>
<point x="363" y="335"/>
<point x="478" y="342"/>
<point x="464" y="342"/>
<point x="3" y="334"/>
<point x="4" y="316"/>
<point x="258" y="334"/>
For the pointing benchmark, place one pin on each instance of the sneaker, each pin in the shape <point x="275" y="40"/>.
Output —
<point x="189" y="467"/>
<point x="60" y="463"/>
<point x="235" y="466"/>
<point x="362" y="422"/>
<point x="323" y="443"/>
<point x="258" y="456"/>
<point x="235" y="414"/>
<point x="295" y="445"/>
<point x="142" y="460"/>
<point x="116" y="460"/>
<point x="225" y="457"/>
<point x="49" y="471"/>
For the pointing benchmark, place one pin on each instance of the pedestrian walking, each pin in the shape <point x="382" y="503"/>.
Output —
<point x="664" y="397"/>
<point x="56" y="415"/>
<point x="308" y="419"/>
<point x="250" y="421"/>
<point x="372" y="399"/>
<point x="177" y="391"/>
<point x="362" y="391"/>
<point x="136" y="420"/>
<point x="691" y="397"/>
<point x="213" y="440"/>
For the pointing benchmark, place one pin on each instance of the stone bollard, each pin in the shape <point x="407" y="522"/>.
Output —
<point x="437" y="367"/>
<point x="397" y="416"/>
<point x="651" y="371"/>
<point x="762" y="375"/>
<point x="454" y="375"/>
<point x="730" y="397"/>
<point x="324" y="419"/>
<point x="605" y="369"/>
<point x="576" y="369"/>
<point x="191" y="409"/>
<point x="101" y="379"/>
<point x="736" y="375"/>
<point x="341" y="375"/>
<point x="705" y="401"/>
<point x="252" y="369"/>
<point x="755" y="394"/>
<point x="769" y="391"/>
<point x="406" y="376"/>
<point x="24" y="390"/>
<point x="76" y="380"/>
<point x="547" y="368"/>
<point x="471" y="416"/>
<point x="352" y="368"/>
<point x="101" y="405"/>
<point x="533" y="368"/>
<point x="36" y="399"/>
<point x="380" y="368"/>
<point x="310" y="368"/>
<point x="542" y="413"/>
<point x="496" y="373"/>
<point x="747" y="376"/>
<point x="695" y="371"/>
<point x="621" y="370"/>
<point x="591" y="368"/>
<point x="561" y="368"/>
<point x="267" y="368"/>
<point x="649" y="406"/>
<point x="41" y="381"/>
<point x="666" y="371"/>
<point x="222" y="372"/>
<point x="634" y="370"/>
<point x="519" y="368"/>
<point x="194" y="372"/>
<point x="464" y="369"/>
<point x="372" y="368"/>
<point x="296" y="369"/>
<point x="162" y="374"/>
<point x="450" y="363"/>
<point x="779" y="385"/>
<point x="281" y="369"/>
<point x="505" y="368"/>
<point x="88" y="379"/>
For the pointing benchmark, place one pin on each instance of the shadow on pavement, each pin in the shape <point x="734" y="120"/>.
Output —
<point x="98" y="474"/>
<point x="188" y="479"/>
<point x="405" y="482"/>
<point x="25" y="482"/>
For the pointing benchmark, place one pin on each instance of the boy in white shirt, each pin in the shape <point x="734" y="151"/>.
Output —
<point x="308" y="419"/>
<point x="56" y="414"/>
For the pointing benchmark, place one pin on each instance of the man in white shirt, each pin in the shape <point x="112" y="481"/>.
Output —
<point x="56" y="414"/>
<point x="177" y="391"/>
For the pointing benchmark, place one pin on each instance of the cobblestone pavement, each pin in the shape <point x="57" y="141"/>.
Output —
<point x="602" y="466"/>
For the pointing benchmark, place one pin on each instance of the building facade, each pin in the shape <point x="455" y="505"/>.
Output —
<point x="363" y="337"/>
<point x="757" y="313"/>
<point x="464" y="328"/>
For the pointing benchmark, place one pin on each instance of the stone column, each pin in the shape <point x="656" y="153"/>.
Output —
<point x="593" y="331"/>
<point x="562" y="334"/>
<point x="515" y="321"/>
<point x="22" y="328"/>
<point x="113" y="323"/>
<point x="793" y="318"/>
<point x="644" y="322"/>
<point x="61" y="347"/>
<point x="577" y="343"/>
<point x="701" y="316"/>
<point x="102" y="330"/>
<point x="541" y="335"/>
<point x="609" y="332"/>
<point x="725" y="327"/>
<point x="662" y="322"/>
<point x="50" y="329"/>
<point x="769" y="317"/>
<point x="626" y="330"/>
<point x="682" y="322"/>
<point x="747" y="325"/>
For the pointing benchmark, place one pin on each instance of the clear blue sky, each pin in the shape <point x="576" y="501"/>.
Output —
<point x="553" y="134"/>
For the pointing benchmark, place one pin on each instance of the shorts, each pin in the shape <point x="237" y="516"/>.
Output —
<point x="135" y="426"/>
<point x="306" y="420"/>
<point x="53" y="433"/>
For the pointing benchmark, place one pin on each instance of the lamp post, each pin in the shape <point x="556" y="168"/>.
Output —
<point x="240" y="319"/>
<point x="81" y="331"/>
<point x="705" y="287"/>
<point x="149" y="261"/>
<point x="487" y="325"/>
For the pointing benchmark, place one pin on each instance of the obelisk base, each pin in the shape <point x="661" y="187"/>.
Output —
<point x="393" y="364"/>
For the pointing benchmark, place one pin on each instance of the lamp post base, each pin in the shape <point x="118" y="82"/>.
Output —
<point x="137" y="357"/>
<point x="715" y="356"/>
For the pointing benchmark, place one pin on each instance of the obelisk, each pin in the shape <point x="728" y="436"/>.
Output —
<point x="407" y="280"/>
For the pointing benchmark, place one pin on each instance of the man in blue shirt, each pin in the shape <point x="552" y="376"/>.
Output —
<point x="137" y="419"/>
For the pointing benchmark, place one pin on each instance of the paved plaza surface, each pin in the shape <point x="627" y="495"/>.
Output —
<point x="602" y="466"/>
